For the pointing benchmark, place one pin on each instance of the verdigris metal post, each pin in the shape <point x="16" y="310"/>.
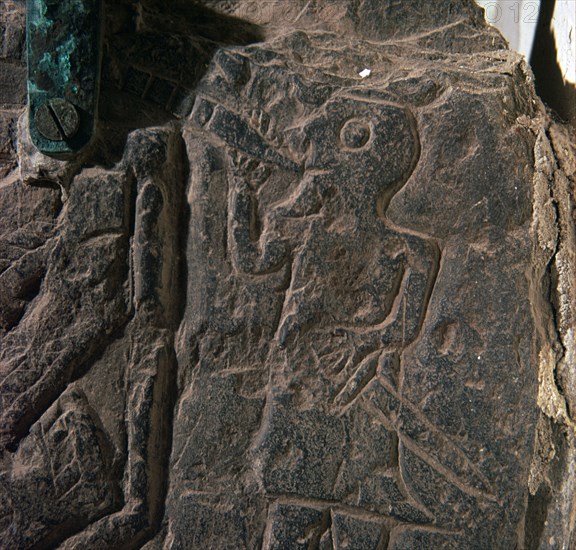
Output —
<point x="64" y="53"/>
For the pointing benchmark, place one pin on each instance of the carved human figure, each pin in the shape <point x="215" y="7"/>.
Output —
<point x="308" y="195"/>
<point x="355" y="279"/>
<point x="299" y="359"/>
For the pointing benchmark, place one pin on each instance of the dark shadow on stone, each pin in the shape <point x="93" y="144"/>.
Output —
<point x="536" y="515"/>
<point x="154" y="55"/>
<point x="559" y="95"/>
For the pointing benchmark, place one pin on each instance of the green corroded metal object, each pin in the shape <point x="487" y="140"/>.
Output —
<point x="64" y="52"/>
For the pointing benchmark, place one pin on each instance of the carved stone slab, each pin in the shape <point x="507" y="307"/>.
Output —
<point x="283" y="303"/>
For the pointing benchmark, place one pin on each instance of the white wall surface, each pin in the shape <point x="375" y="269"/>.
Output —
<point x="517" y="19"/>
<point x="564" y="27"/>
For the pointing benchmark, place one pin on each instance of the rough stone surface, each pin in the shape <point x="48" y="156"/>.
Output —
<point x="278" y="305"/>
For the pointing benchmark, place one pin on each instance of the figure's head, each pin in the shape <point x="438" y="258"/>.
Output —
<point x="358" y="139"/>
<point x="369" y="147"/>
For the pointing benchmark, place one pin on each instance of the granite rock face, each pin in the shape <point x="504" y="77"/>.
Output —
<point x="280" y="305"/>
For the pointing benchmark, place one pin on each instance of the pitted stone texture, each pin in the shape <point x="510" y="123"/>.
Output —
<point x="343" y="317"/>
<point x="279" y="305"/>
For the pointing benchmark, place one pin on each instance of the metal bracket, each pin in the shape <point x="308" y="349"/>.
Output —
<point x="64" y="54"/>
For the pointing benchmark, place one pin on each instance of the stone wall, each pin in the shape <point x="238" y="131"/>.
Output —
<point x="310" y="286"/>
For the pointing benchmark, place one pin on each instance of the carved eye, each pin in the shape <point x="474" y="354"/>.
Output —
<point x="355" y="133"/>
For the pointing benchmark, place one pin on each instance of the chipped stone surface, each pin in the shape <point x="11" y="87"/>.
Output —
<point x="279" y="305"/>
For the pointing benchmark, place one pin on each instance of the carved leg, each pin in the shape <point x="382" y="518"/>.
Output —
<point x="152" y="364"/>
<point x="149" y="427"/>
